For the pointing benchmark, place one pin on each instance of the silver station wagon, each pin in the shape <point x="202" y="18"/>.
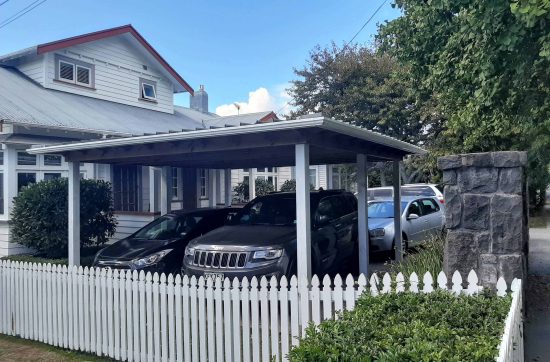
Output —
<point x="421" y="218"/>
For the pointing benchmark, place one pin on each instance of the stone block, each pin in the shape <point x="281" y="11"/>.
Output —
<point x="453" y="207"/>
<point x="512" y="266"/>
<point x="488" y="271"/>
<point x="510" y="180"/>
<point x="484" y="159"/>
<point x="510" y="158"/>
<point x="461" y="252"/>
<point x="449" y="177"/>
<point x="449" y="162"/>
<point x="483" y="241"/>
<point x="476" y="211"/>
<point x="507" y="223"/>
<point x="481" y="180"/>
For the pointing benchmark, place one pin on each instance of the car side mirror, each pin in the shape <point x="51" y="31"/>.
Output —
<point x="412" y="217"/>
<point x="321" y="220"/>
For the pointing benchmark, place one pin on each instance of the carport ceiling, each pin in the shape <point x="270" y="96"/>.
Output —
<point x="258" y="145"/>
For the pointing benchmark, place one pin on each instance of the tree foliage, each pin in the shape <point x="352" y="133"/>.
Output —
<point x="357" y="85"/>
<point x="40" y="215"/>
<point x="488" y="63"/>
<point x="263" y="187"/>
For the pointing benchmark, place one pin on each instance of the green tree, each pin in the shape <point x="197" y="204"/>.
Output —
<point x="357" y="85"/>
<point x="40" y="215"/>
<point x="488" y="63"/>
<point x="262" y="188"/>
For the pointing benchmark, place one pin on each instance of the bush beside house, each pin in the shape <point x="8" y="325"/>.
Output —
<point x="262" y="188"/>
<point x="410" y="327"/>
<point x="40" y="216"/>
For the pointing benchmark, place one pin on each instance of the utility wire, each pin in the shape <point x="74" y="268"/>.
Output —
<point x="348" y="43"/>
<point x="367" y="22"/>
<point x="21" y="12"/>
<point x="3" y="2"/>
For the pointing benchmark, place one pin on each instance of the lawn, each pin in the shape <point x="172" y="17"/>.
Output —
<point x="18" y="349"/>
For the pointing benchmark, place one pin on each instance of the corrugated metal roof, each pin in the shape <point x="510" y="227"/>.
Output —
<point x="22" y="101"/>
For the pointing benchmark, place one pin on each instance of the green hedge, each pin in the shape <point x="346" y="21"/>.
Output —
<point x="40" y="216"/>
<point x="410" y="327"/>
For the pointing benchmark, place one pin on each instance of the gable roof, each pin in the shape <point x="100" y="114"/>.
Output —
<point x="98" y="35"/>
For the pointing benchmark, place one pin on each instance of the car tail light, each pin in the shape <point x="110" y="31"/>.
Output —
<point x="442" y="200"/>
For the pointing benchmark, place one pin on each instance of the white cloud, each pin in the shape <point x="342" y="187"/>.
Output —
<point x="259" y="100"/>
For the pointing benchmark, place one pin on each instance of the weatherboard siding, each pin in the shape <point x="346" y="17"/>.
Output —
<point x="118" y="69"/>
<point x="127" y="224"/>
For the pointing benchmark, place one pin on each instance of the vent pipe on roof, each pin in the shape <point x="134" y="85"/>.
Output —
<point x="199" y="101"/>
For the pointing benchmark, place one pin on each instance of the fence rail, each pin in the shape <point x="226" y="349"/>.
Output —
<point x="143" y="317"/>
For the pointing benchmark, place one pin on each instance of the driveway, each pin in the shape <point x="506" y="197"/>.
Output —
<point x="537" y="323"/>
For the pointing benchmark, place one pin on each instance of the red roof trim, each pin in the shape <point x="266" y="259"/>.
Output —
<point x="80" y="39"/>
<point x="268" y="117"/>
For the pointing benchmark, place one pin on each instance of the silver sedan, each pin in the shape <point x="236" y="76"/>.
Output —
<point x="421" y="217"/>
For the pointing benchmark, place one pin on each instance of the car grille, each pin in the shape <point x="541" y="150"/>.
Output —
<point x="220" y="259"/>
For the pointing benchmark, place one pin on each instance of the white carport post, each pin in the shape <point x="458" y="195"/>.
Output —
<point x="227" y="182"/>
<point x="74" y="213"/>
<point x="165" y="190"/>
<point x="362" y="214"/>
<point x="397" y="212"/>
<point x="251" y="184"/>
<point x="303" y="212"/>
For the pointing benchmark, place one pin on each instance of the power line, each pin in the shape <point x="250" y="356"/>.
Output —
<point x="368" y="21"/>
<point x="3" y="2"/>
<point x="21" y="12"/>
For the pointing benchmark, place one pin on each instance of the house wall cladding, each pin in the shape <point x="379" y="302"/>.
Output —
<point x="486" y="214"/>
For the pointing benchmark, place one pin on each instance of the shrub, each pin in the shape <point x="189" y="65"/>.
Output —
<point x="40" y="214"/>
<point x="428" y="258"/>
<point x="410" y="327"/>
<point x="290" y="185"/>
<point x="262" y="188"/>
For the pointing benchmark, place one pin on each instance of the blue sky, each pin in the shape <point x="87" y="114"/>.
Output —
<point x="243" y="51"/>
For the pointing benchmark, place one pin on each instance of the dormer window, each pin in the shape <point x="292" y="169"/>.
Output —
<point x="74" y="71"/>
<point x="148" y="90"/>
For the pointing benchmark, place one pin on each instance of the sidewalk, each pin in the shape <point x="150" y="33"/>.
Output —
<point x="537" y="323"/>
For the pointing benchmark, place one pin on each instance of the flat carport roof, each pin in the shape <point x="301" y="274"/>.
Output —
<point x="317" y="140"/>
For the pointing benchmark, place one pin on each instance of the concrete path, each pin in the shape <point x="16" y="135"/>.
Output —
<point x="537" y="323"/>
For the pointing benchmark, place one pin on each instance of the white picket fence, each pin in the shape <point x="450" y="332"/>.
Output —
<point x="144" y="317"/>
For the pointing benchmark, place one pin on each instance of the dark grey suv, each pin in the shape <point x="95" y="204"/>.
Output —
<point x="260" y="240"/>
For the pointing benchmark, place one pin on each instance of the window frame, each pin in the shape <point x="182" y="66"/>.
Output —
<point x="142" y="83"/>
<point x="75" y="63"/>
<point x="27" y="154"/>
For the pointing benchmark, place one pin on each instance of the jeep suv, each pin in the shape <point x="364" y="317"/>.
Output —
<point x="260" y="240"/>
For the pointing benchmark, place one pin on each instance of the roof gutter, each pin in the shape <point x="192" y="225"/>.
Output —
<point x="332" y="125"/>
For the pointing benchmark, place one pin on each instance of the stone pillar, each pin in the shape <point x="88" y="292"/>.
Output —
<point x="486" y="215"/>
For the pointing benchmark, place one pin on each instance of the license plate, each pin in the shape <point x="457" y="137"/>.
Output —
<point x="213" y="276"/>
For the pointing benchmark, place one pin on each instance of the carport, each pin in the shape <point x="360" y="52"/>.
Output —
<point x="299" y="143"/>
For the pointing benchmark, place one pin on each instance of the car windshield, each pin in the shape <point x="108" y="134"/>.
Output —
<point x="383" y="209"/>
<point x="268" y="211"/>
<point x="168" y="227"/>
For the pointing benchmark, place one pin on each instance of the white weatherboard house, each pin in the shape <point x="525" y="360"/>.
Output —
<point x="102" y="85"/>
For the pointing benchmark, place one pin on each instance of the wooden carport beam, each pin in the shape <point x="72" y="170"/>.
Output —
<point x="362" y="214"/>
<point x="303" y="212"/>
<point x="74" y="214"/>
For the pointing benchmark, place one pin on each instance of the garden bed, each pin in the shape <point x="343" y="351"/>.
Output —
<point x="439" y="326"/>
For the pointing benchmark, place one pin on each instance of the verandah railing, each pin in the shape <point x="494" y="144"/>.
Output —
<point x="142" y="317"/>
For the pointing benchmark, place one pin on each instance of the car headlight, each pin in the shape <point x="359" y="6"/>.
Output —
<point x="189" y="251"/>
<point x="268" y="254"/>
<point x="376" y="233"/>
<point x="150" y="259"/>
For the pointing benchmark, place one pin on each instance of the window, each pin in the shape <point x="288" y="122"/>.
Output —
<point x="203" y="176"/>
<point x="1" y="158"/>
<point x="1" y="193"/>
<point x="429" y="206"/>
<point x="52" y="160"/>
<point x="26" y="159"/>
<point x="74" y="71"/>
<point x="126" y="187"/>
<point x="25" y="179"/>
<point x="147" y="89"/>
<point x="414" y="208"/>
<point x="51" y="176"/>
<point x="313" y="177"/>
<point x="174" y="182"/>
